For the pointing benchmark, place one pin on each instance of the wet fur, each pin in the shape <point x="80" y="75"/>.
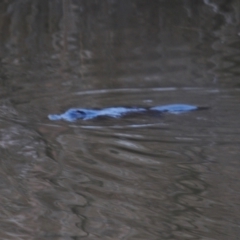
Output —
<point x="74" y="114"/>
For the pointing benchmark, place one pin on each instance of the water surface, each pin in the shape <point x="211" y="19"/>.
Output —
<point x="142" y="176"/>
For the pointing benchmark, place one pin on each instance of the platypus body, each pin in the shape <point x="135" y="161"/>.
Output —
<point x="74" y="114"/>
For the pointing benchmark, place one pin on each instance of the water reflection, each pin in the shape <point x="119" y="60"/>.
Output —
<point x="69" y="44"/>
<point x="138" y="177"/>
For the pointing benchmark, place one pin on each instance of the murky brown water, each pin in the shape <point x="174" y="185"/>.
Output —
<point x="138" y="177"/>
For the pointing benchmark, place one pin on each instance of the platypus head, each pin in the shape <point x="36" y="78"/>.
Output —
<point x="74" y="114"/>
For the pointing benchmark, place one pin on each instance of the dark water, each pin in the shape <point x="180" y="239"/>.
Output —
<point x="138" y="177"/>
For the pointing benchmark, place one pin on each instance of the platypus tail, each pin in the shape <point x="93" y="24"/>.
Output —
<point x="177" y="108"/>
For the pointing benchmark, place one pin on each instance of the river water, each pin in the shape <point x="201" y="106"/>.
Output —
<point x="139" y="177"/>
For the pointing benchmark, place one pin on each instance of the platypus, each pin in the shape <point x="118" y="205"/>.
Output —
<point x="74" y="114"/>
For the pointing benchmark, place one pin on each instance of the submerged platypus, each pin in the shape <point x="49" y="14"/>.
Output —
<point x="74" y="114"/>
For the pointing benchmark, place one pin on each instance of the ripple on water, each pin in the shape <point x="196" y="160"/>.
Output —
<point x="172" y="176"/>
